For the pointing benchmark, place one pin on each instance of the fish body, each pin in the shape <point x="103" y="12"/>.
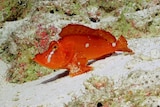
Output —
<point x="77" y="45"/>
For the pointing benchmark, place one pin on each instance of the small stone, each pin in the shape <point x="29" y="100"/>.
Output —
<point x="52" y="11"/>
<point x="99" y="104"/>
<point x="94" y="20"/>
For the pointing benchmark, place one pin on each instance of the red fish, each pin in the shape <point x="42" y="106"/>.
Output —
<point x="77" y="45"/>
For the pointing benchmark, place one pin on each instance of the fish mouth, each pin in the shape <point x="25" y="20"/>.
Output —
<point x="35" y="60"/>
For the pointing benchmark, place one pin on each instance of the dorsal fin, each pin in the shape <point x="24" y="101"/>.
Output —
<point x="77" y="29"/>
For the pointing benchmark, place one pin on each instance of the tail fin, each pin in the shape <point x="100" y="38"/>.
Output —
<point x="122" y="45"/>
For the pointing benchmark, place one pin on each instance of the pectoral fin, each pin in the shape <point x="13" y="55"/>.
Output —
<point x="78" y="66"/>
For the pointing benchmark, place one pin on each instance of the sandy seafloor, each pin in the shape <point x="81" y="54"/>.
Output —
<point x="56" y="93"/>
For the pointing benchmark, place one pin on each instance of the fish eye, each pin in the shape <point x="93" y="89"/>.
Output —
<point x="55" y="47"/>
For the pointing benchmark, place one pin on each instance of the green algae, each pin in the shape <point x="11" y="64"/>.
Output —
<point x="12" y="10"/>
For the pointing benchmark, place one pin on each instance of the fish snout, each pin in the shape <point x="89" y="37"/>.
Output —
<point x="37" y="58"/>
